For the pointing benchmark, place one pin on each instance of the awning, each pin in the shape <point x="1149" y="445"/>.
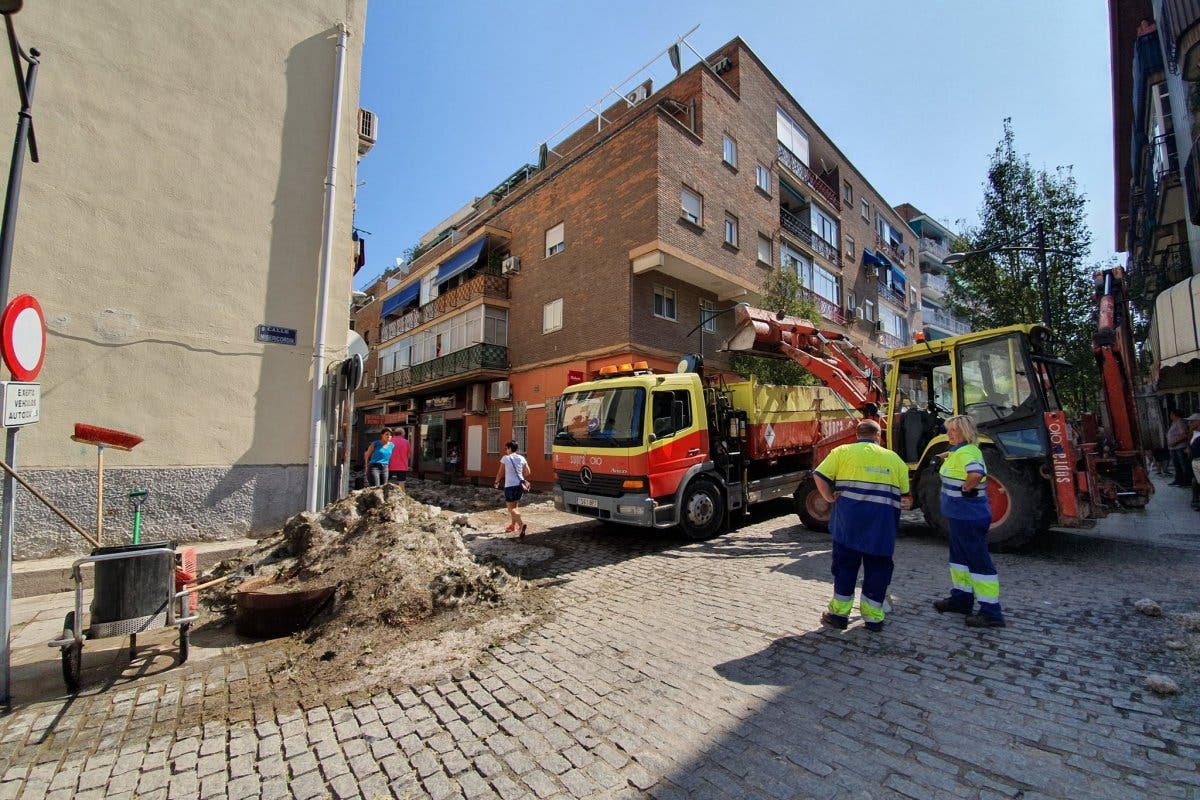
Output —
<point x="400" y="299"/>
<point x="1175" y="329"/>
<point x="898" y="277"/>
<point x="465" y="259"/>
<point x="869" y="259"/>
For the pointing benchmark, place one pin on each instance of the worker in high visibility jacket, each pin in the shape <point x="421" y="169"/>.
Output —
<point x="966" y="510"/>
<point x="865" y="483"/>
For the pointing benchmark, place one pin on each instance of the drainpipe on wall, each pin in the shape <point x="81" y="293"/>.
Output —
<point x="315" y="476"/>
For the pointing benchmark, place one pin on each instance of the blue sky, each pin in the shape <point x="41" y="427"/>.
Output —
<point x="914" y="92"/>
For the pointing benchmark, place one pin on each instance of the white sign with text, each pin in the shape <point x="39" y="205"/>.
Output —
<point x="22" y="403"/>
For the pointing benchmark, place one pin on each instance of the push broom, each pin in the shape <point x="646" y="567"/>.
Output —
<point x="101" y="438"/>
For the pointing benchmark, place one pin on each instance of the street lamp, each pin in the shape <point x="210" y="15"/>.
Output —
<point x="705" y="318"/>
<point x="1039" y="249"/>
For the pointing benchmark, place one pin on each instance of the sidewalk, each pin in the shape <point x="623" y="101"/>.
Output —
<point x="1167" y="518"/>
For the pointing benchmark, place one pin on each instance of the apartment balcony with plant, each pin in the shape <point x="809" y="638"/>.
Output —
<point x="465" y="347"/>
<point x="483" y="286"/>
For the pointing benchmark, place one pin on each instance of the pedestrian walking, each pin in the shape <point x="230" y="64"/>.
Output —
<point x="379" y="453"/>
<point x="1194" y="455"/>
<point x="398" y="463"/>
<point x="864" y="482"/>
<point x="967" y="511"/>
<point x="514" y="472"/>
<point x="1177" y="440"/>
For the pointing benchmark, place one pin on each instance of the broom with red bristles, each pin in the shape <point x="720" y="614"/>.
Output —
<point x="101" y="438"/>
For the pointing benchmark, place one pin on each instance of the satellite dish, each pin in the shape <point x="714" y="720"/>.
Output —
<point x="356" y="345"/>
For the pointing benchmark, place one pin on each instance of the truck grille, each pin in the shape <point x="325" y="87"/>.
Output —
<point x="603" y="485"/>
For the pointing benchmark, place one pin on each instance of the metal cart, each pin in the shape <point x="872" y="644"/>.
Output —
<point x="134" y="591"/>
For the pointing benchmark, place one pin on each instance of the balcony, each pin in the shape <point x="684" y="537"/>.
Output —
<point x="809" y="178"/>
<point x="890" y="341"/>
<point x="891" y="251"/>
<point x="1147" y="280"/>
<point x="1181" y="36"/>
<point x="827" y="308"/>
<point x="798" y="228"/>
<point x="934" y="284"/>
<point x="939" y="318"/>
<point x="892" y="295"/>
<point x="481" y="286"/>
<point x="932" y="248"/>
<point x="477" y="358"/>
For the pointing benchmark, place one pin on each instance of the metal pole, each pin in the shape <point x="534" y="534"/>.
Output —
<point x="7" y="235"/>
<point x="1043" y="274"/>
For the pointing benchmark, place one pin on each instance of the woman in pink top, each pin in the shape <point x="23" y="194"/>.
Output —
<point x="398" y="465"/>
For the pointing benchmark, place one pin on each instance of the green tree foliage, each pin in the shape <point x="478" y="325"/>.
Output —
<point x="1003" y="288"/>
<point x="780" y="290"/>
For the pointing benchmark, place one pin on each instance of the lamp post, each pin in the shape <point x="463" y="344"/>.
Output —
<point x="1039" y="250"/>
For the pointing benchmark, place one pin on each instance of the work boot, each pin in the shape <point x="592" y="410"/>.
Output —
<point x="834" y="620"/>
<point x="952" y="605"/>
<point x="874" y="626"/>
<point x="983" y="621"/>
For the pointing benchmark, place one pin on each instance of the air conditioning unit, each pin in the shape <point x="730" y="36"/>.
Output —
<point x="501" y="390"/>
<point x="722" y="65"/>
<point x="477" y="401"/>
<point x="510" y="265"/>
<point x="636" y="96"/>
<point x="860" y="313"/>
<point x="368" y="130"/>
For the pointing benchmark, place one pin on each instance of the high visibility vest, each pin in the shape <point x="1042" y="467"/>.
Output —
<point x="870" y="480"/>
<point x="961" y="461"/>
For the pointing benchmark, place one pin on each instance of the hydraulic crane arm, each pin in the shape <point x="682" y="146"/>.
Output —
<point x="1112" y="345"/>
<point x="836" y="361"/>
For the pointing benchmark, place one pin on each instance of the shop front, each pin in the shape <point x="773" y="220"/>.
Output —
<point x="439" y="445"/>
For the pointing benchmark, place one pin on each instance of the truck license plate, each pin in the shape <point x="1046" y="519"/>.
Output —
<point x="587" y="502"/>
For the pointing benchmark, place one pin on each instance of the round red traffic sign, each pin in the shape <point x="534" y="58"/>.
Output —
<point x="23" y="337"/>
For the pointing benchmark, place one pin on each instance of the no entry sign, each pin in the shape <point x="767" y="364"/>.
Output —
<point x="23" y="337"/>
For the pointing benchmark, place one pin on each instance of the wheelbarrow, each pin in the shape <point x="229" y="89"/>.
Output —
<point x="134" y="591"/>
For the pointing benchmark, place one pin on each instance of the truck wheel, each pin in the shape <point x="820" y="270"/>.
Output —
<point x="701" y="515"/>
<point x="929" y="494"/>
<point x="72" y="656"/>
<point x="812" y="509"/>
<point x="1016" y="497"/>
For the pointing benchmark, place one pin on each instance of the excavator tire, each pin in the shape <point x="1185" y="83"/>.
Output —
<point x="812" y="509"/>
<point x="1020" y="510"/>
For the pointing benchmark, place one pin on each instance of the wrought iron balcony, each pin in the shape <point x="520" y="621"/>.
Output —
<point x="932" y="248"/>
<point x="800" y="229"/>
<point x="811" y="179"/>
<point x="890" y="250"/>
<point x="486" y="285"/>
<point x="827" y="308"/>
<point x="890" y="341"/>
<point x="471" y="359"/>
<point x="892" y="294"/>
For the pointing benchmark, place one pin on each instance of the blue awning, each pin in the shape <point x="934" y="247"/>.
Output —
<point x="898" y="278"/>
<point x="464" y="260"/>
<point x="869" y="259"/>
<point x="400" y="299"/>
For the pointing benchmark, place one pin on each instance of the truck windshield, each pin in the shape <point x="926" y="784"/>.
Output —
<point x="602" y="417"/>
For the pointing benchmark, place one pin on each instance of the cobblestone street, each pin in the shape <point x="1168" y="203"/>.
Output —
<point x="669" y="669"/>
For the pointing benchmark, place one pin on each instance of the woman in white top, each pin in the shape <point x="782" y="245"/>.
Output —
<point x="514" y="471"/>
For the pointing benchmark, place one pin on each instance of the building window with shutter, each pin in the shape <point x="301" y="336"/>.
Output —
<point x="493" y="430"/>
<point x="764" y="249"/>
<point x="520" y="429"/>
<point x="729" y="151"/>
<point x="552" y="316"/>
<point x="664" y="303"/>
<point x="731" y="230"/>
<point x="554" y="240"/>
<point x="693" y="206"/>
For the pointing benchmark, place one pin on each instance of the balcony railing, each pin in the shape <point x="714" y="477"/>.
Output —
<point x="947" y="322"/>
<point x="476" y="357"/>
<point x="799" y="228"/>
<point x="934" y="248"/>
<point x="892" y="294"/>
<point x="933" y="283"/>
<point x="890" y="341"/>
<point x="480" y="286"/>
<point x="827" y="308"/>
<point x="807" y="176"/>
<point x="890" y="250"/>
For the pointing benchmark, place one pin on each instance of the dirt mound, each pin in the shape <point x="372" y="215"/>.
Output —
<point x="400" y="574"/>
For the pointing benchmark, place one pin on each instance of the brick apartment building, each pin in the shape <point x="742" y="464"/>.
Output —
<point x="674" y="204"/>
<point x="934" y="242"/>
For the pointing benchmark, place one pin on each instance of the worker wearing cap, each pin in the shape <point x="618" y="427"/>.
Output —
<point x="864" y="482"/>
<point x="965" y="507"/>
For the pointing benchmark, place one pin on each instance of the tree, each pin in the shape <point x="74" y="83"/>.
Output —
<point x="781" y="290"/>
<point x="1003" y="288"/>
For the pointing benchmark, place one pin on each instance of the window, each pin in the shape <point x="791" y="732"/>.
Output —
<point x="825" y="284"/>
<point x="664" y="302"/>
<point x="893" y="323"/>
<point x="825" y="226"/>
<point x="866" y="210"/>
<point x="520" y="433"/>
<point x="554" y="240"/>
<point x="797" y="263"/>
<point x="849" y="247"/>
<point x="869" y="310"/>
<point x="791" y="135"/>
<point x="550" y="427"/>
<point x="847" y="192"/>
<point x="493" y="429"/>
<point x="429" y="287"/>
<point x="764" y="249"/>
<point x="552" y="316"/>
<point x="729" y="150"/>
<point x="762" y="178"/>
<point x="851" y="301"/>
<point x="881" y="227"/>
<point x="693" y="206"/>
<point x="671" y="412"/>
<point x="912" y="290"/>
<point x="708" y="316"/>
<point x="731" y="232"/>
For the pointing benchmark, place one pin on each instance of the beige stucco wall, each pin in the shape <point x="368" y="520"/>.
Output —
<point x="177" y="205"/>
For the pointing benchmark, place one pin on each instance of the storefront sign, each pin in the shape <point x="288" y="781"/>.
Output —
<point x="440" y="401"/>
<point x="574" y="376"/>
<point x="395" y="418"/>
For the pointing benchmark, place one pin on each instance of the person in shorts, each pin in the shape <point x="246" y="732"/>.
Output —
<point x="514" y="472"/>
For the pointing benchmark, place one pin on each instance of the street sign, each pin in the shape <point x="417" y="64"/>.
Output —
<point x="275" y="335"/>
<point x="23" y="337"/>
<point x="21" y="403"/>
<point x="574" y="376"/>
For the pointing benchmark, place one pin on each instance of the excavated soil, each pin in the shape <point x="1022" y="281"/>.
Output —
<point x="411" y="601"/>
